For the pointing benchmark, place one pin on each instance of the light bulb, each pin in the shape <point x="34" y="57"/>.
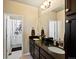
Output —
<point x="42" y="6"/>
<point x="49" y="0"/>
<point x="45" y="3"/>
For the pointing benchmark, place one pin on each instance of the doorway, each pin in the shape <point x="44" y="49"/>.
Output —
<point x="13" y="36"/>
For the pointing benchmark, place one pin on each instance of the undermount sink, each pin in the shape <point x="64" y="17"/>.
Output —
<point x="56" y="50"/>
<point x="35" y="39"/>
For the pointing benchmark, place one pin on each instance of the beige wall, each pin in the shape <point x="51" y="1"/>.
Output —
<point x="30" y="19"/>
<point x="61" y="18"/>
<point x="33" y="19"/>
<point x="44" y="20"/>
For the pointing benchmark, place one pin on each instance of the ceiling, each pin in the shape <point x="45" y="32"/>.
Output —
<point x="35" y="3"/>
<point x="57" y="4"/>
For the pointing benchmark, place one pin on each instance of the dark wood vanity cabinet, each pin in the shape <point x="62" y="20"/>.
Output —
<point x="70" y="30"/>
<point x="45" y="55"/>
<point x="70" y="5"/>
<point x="32" y="48"/>
<point x="42" y="57"/>
<point x="70" y="39"/>
<point x="37" y="52"/>
<point x="42" y="54"/>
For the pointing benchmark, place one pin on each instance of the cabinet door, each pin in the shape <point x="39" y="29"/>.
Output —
<point x="45" y="54"/>
<point x="73" y="5"/>
<point x="73" y="38"/>
<point x="36" y="51"/>
<point x="70" y="5"/>
<point x="35" y="57"/>
<point x="42" y="57"/>
<point x="70" y="39"/>
<point x="32" y="47"/>
<point x="67" y="38"/>
<point x="67" y="4"/>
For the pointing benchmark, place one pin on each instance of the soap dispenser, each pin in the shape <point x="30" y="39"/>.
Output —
<point x="57" y="44"/>
<point x="33" y="31"/>
<point x="42" y="34"/>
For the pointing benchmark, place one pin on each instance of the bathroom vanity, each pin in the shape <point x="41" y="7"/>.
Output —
<point x="39" y="50"/>
<point x="70" y="29"/>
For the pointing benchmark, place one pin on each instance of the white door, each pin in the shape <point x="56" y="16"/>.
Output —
<point x="5" y="44"/>
<point x="9" y="33"/>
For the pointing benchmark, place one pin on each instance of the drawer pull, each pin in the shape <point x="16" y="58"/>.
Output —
<point x="67" y="10"/>
<point x="67" y="21"/>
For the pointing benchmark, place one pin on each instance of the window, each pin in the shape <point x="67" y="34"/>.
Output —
<point x="53" y="29"/>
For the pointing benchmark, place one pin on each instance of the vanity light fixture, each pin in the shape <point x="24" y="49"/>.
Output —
<point x="46" y="4"/>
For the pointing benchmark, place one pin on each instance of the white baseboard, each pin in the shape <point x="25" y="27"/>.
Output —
<point x="27" y="53"/>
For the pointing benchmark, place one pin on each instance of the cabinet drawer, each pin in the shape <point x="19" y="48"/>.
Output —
<point x="36" y="47"/>
<point x="42" y="57"/>
<point x="35" y="57"/>
<point x="46" y="55"/>
<point x="36" y="51"/>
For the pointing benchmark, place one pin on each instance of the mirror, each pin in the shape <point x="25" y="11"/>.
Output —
<point x="53" y="30"/>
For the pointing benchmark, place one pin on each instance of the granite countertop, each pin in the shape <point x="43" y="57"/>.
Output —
<point x="45" y="47"/>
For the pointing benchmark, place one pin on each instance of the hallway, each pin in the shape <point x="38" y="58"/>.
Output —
<point x="26" y="57"/>
<point x="18" y="55"/>
<point x="15" y="55"/>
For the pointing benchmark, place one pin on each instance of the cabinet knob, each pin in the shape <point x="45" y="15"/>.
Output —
<point x="67" y="21"/>
<point x="67" y="10"/>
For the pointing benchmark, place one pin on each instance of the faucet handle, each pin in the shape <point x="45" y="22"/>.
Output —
<point x="57" y="44"/>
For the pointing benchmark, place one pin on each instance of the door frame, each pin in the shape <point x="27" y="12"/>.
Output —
<point x="5" y="32"/>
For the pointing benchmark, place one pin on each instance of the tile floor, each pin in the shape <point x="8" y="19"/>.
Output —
<point x="26" y="57"/>
<point x="18" y="55"/>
